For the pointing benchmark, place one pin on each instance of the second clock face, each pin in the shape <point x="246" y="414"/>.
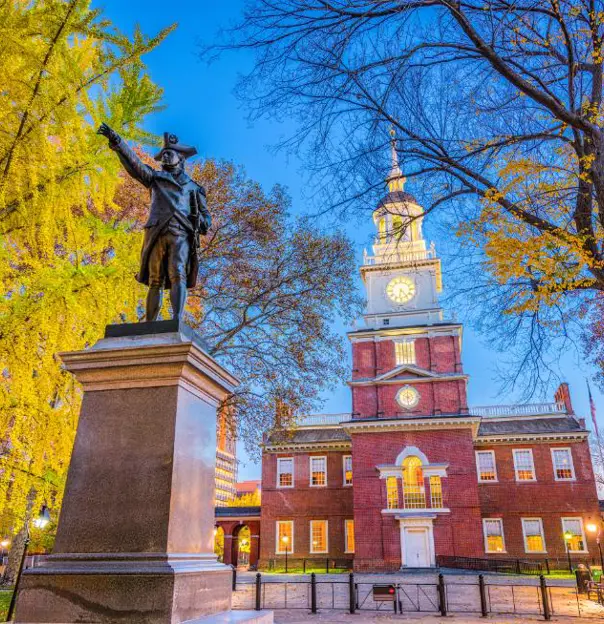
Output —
<point x="401" y="289"/>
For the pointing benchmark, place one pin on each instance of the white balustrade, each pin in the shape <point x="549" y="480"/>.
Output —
<point x="528" y="409"/>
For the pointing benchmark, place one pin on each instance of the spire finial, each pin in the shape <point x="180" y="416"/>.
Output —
<point x="395" y="179"/>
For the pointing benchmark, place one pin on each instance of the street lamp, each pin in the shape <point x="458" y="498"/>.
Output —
<point x="592" y="528"/>
<point x="285" y="540"/>
<point x="567" y="537"/>
<point x="40" y="522"/>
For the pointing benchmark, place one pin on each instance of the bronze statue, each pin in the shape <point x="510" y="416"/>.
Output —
<point x="178" y="216"/>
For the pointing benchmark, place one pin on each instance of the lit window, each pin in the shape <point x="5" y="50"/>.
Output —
<point x="285" y="472"/>
<point x="523" y="464"/>
<point x="532" y="529"/>
<point x="347" y="459"/>
<point x="318" y="536"/>
<point x="485" y="464"/>
<point x="436" y="492"/>
<point x="392" y="492"/>
<point x="349" y="535"/>
<point x="493" y="535"/>
<point x="404" y="352"/>
<point x="413" y="483"/>
<point x="285" y="537"/>
<point x="382" y="228"/>
<point x="318" y="471"/>
<point x="574" y="536"/>
<point x="562" y="460"/>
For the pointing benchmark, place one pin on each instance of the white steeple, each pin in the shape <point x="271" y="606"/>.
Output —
<point x="403" y="276"/>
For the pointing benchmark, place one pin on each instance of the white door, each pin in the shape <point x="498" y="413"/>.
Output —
<point x="416" y="548"/>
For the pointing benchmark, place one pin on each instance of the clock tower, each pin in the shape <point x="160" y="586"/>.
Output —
<point x="407" y="358"/>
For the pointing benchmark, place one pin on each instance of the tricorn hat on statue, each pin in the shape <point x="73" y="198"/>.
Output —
<point x="171" y="142"/>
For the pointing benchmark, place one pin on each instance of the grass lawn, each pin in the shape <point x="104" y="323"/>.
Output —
<point x="5" y="595"/>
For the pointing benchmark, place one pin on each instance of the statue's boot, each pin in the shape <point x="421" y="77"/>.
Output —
<point x="178" y="298"/>
<point x="154" y="300"/>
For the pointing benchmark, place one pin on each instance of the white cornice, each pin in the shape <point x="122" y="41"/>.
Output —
<point x="388" y="333"/>
<point x="380" y="381"/>
<point x="428" y="470"/>
<point x="509" y="438"/>
<point x="401" y="424"/>
<point x="294" y="447"/>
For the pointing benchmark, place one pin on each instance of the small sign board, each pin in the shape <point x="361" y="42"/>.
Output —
<point x="384" y="593"/>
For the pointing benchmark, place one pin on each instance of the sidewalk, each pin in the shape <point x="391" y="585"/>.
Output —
<point x="299" y="617"/>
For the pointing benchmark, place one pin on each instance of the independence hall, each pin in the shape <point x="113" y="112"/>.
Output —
<point x="414" y="475"/>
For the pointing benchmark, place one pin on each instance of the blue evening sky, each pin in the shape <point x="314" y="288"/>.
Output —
<point x="203" y="111"/>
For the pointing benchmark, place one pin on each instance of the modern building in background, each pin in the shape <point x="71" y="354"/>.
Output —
<point x="226" y="460"/>
<point x="414" y="477"/>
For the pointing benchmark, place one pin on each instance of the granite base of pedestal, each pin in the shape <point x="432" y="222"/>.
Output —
<point x="133" y="589"/>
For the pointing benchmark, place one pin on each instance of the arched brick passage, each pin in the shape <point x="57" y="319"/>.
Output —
<point x="231" y="528"/>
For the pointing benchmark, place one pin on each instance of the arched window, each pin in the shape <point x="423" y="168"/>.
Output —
<point x="413" y="483"/>
<point x="382" y="228"/>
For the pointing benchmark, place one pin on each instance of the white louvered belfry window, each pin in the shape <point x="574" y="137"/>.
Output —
<point x="404" y="352"/>
<point x="524" y="465"/>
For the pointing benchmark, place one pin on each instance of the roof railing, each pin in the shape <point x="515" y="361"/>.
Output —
<point x="314" y="420"/>
<point x="406" y="256"/>
<point x="528" y="409"/>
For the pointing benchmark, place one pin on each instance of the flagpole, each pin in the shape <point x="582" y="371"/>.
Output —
<point x="592" y="407"/>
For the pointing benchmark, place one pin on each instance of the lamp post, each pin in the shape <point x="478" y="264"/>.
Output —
<point x="40" y="522"/>
<point x="567" y="537"/>
<point x="592" y="528"/>
<point x="285" y="540"/>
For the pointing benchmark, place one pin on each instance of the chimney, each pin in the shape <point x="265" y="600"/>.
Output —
<point x="563" y="396"/>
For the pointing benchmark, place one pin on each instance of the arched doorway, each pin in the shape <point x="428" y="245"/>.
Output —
<point x="242" y="542"/>
<point x="219" y="543"/>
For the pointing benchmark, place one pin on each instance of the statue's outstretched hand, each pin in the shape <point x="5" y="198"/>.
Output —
<point x="108" y="132"/>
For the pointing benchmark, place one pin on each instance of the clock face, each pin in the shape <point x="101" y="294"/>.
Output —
<point x="407" y="397"/>
<point x="401" y="289"/>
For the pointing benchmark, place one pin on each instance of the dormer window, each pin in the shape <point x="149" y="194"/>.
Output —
<point x="404" y="352"/>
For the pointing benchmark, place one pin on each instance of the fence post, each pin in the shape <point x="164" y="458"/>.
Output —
<point x="234" y="578"/>
<point x="351" y="592"/>
<point x="327" y="566"/>
<point x="547" y="613"/>
<point x="547" y="565"/>
<point x="442" y="595"/>
<point x="517" y="566"/>
<point x="313" y="593"/>
<point x="258" y="591"/>
<point x="483" y="596"/>
<point x="304" y="566"/>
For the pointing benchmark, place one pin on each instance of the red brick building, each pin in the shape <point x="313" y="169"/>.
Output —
<point x="414" y="474"/>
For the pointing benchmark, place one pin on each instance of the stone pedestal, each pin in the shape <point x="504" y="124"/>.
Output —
<point x="135" y="536"/>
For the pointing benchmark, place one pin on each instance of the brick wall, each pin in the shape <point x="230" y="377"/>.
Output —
<point x="378" y="543"/>
<point x="304" y="503"/>
<point x="544" y="498"/>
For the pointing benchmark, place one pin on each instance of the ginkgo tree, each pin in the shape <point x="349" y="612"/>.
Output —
<point x="65" y="261"/>
<point x="497" y="109"/>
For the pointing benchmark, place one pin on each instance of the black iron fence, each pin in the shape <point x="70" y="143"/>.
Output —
<point x="505" y="566"/>
<point x="308" y="565"/>
<point x="474" y="595"/>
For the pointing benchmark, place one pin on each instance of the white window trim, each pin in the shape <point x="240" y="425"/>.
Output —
<point x="496" y="480"/>
<point x="290" y="549"/>
<point x="524" y="450"/>
<point x="344" y="458"/>
<point x="524" y="536"/>
<point x="320" y="552"/>
<point x="346" y="521"/>
<point x="279" y="460"/>
<point x="580" y="519"/>
<point x="310" y="483"/>
<point x="572" y="462"/>
<point x="484" y="534"/>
